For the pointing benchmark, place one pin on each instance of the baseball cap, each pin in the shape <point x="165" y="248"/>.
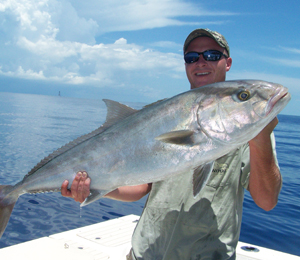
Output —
<point x="219" y="38"/>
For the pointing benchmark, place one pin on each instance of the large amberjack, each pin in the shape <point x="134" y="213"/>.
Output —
<point x="184" y="133"/>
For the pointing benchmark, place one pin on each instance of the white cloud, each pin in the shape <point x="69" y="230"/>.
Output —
<point x="293" y="59"/>
<point x="55" y="40"/>
<point x="26" y="74"/>
<point x="285" y="62"/>
<point x="71" y="26"/>
<point x="124" y="15"/>
<point x="49" y="43"/>
<point x="291" y="50"/>
<point x="284" y="56"/>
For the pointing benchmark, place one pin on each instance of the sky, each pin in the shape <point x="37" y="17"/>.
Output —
<point x="132" y="50"/>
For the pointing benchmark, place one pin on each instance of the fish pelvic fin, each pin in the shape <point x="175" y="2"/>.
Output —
<point x="200" y="177"/>
<point x="7" y="203"/>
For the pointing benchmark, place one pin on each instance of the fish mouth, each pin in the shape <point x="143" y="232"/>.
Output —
<point x="280" y="96"/>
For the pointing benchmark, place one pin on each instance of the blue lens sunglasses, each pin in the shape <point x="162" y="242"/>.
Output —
<point x="208" y="55"/>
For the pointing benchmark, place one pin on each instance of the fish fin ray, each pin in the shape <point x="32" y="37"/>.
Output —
<point x="181" y="137"/>
<point x="116" y="112"/>
<point x="200" y="177"/>
<point x="7" y="204"/>
<point x="95" y="195"/>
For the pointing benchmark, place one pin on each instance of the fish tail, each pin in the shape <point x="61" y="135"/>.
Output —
<point x="7" y="203"/>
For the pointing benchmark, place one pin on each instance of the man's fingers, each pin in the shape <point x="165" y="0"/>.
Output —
<point x="86" y="188"/>
<point x="75" y="185"/>
<point x="64" y="189"/>
<point x="80" y="188"/>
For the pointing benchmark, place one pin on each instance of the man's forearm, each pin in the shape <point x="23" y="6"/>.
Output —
<point x="265" y="178"/>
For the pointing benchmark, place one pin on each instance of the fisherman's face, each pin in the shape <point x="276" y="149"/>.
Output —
<point x="204" y="72"/>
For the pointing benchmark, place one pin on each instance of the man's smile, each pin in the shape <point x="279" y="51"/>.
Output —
<point x="201" y="73"/>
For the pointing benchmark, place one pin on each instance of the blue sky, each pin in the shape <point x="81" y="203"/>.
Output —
<point x="132" y="50"/>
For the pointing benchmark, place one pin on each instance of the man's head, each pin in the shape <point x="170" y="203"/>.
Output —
<point x="210" y="67"/>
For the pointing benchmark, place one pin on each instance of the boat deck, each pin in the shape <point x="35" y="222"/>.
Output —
<point x="107" y="240"/>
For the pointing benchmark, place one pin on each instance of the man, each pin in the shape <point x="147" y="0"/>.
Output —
<point x="174" y="224"/>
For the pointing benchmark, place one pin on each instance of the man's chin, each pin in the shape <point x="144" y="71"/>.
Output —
<point x="199" y="85"/>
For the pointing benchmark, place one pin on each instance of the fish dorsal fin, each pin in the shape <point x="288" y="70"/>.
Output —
<point x="116" y="112"/>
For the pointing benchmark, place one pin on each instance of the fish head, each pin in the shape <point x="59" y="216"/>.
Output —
<point x="236" y="111"/>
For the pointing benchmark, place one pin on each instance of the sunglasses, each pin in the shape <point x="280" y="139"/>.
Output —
<point x="209" y="55"/>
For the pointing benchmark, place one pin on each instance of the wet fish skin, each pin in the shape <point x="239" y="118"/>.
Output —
<point x="184" y="133"/>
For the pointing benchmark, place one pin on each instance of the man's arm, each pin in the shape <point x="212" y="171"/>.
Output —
<point x="80" y="190"/>
<point x="130" y="193"/>
<point x="265" y="178"/>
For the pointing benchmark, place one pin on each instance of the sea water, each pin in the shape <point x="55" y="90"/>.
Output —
<point x="32" y="126"/>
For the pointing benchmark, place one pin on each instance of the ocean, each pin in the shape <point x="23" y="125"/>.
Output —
<point x="32" y="126"/>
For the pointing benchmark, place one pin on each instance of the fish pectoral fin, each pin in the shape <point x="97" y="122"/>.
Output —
<point x="95" y="195"/>
<point x="182" y="137"/>
<point x="200" y="177"/>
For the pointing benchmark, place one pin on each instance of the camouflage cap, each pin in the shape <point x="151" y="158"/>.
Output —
<point x="219" y="38"/>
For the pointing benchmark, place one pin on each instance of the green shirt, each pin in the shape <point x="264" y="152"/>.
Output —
<point x="175" y="225"/>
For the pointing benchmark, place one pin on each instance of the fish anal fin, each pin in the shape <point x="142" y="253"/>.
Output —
<point x="95" y="195"/>
<point x="181" y="137"/>
<point x="200" y="177"/>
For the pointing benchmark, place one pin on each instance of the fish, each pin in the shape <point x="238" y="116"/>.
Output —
<point x="187" y="132"/>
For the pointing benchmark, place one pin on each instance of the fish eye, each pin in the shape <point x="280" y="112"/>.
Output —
<point x="243" y="95"/>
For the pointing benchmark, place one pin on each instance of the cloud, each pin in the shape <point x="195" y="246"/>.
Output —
<point x="291" y="50"/>
<point x="284" y="62"/>
<point x="28" y="74"/>
<point x="54" y="40"/>
<point x="293" y="59"/>
<point x="78" y="63"/>
<point x="124" y="15"/>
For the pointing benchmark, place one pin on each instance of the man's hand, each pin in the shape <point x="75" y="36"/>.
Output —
<point x="264" y="134"/>
<point x="80" y="188"/>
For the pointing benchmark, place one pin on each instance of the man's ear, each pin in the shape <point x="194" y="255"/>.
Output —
<point x="228" y="63"/>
